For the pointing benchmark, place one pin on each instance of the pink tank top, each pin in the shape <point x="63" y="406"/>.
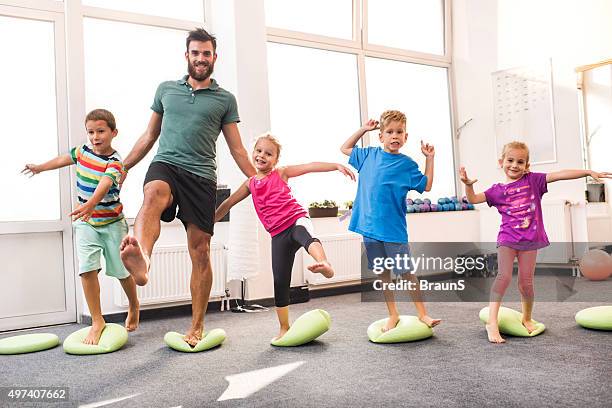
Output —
<point x="275" y="205"/>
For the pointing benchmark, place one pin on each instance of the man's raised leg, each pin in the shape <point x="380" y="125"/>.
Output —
<point x="136" y="250"/>
<point x="198" y="242"/>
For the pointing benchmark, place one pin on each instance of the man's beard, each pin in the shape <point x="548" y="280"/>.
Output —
<point x="191" y="68"/>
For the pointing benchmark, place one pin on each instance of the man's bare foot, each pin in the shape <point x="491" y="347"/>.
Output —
<point x="93" y="337"/>
<point x="323" y="267"/>
<point x="493" y="334"/>
<point x="392" y="321"/>
<point x="135" y="261"/>
<point x="281" y="333"/>
<point x="193" y="336"/>
<point x="429" y="321"/>
<point x="529" y="325"/>
<point x="133" y="317"/>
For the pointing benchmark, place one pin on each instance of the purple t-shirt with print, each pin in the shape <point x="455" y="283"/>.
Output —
<point x="520" y="205"/>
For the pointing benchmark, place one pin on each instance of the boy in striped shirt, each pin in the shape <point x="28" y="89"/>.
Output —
<point x="98" y="219"/>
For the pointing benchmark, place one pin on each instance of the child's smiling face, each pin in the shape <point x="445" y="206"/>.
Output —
<point x="393" y="136"/>
<point x="265" y="155"/>
<point x="515" y="163"/>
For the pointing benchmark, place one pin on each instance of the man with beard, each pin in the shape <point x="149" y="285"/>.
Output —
<point x="187" y="117"/>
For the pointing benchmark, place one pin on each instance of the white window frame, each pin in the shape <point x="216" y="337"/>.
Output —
<point x="361" y="48"/>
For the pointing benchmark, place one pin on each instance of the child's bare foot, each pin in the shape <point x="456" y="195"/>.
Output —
<point x="429" y="321"/>
<point x="392" y="321"/>
<point x="493" y="334"/>
<point x="135" y="261"/>
<point x="323" y="267"/>
<point x="529" y="325"/>
<point x="133" y="317"/>
<point x="93" y="337"/>
<point x="193" y="336"/>
<point x="281" y="333"/>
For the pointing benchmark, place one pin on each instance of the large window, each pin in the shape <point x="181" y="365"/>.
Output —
<point x="422" y="93"/>
<point x="331" y="18"/>
<point x="328" y="74"/>
<point x="414" y="25"/>
<point x="311" y="107"/>
<point x="122" y="70"/>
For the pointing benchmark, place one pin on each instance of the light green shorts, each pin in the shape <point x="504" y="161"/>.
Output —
<point x="91" y="242"/>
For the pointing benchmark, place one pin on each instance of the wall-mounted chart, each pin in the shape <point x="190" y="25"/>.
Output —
<point x="523" y="101"/>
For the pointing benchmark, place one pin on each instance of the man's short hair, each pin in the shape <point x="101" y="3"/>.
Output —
<point x="200" y="34"/>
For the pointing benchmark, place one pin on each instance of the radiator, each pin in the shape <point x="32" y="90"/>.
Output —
<point x="558" y="226"/>
<point x="343" y="252"/>
<point x="170" y="275"/>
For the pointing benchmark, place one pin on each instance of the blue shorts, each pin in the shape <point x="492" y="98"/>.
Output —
<point x="379" y="251"/>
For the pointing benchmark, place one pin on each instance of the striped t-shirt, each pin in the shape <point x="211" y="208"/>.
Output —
<point x="90" y="168"/>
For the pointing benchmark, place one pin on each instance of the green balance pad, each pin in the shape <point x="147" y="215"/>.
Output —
<point x="409" y="328"/>
<point x="598" y="318"/>
<point x="28" y="343"/>
<point x="114" y="336"/>
<point x="305" y="329"/>
<point x="211" y="339"/>
<point x="510" y="322"/>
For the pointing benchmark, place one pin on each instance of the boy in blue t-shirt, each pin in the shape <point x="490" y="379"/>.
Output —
<point x="379" y="210"/>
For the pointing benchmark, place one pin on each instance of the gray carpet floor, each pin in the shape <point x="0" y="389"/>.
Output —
<point x="564" y="367"/>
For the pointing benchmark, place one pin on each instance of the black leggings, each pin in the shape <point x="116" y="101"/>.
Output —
<point x="284" y="247"/>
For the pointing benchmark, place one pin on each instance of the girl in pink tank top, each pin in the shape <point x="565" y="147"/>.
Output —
<point x="283" y="217"/>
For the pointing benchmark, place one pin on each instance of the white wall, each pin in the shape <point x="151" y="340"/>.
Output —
<point x="490" y="35"/>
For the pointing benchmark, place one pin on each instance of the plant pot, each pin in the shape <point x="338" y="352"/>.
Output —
<point x="323" y="212"/>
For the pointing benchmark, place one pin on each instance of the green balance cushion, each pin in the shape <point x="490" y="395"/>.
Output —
<point x="28" y="343"/>
<point x="409" y="328"/>
<point x="211" y="339"/>
<point x="598" y="317"/>
<point x="305" y="329"/>
<point x="113" y="337"/>
<point x="510" y="322"/>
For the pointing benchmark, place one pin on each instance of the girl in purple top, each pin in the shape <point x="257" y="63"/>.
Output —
<point x="521" y="234"/>
<point x="283" y="217"/>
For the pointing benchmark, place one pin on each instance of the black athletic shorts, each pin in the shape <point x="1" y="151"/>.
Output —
<point x="194" y="196"/>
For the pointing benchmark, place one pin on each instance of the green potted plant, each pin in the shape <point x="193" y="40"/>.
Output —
<point x="320" y="209"/>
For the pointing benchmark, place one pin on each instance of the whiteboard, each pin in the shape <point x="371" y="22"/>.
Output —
<point x="523" y="102"/>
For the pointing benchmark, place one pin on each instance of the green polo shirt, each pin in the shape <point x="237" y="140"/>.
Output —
<point x="191" y="124"/>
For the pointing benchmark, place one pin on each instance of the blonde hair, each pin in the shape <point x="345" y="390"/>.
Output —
<point x="389" y="116"/>
<point x="272" y="139"/>
<point x="517" y="146"/>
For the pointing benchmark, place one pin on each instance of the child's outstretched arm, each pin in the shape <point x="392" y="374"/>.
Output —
<point x="429" y="152"/>
<point x="347" y="147"/>
<point x="84" y="210"/>
<point x="474" y="198"/>
<point x="314" y="167"/>
<point x="575" y="174"/>
<point x="237" y="196"/>
<point x="63" y="160"/>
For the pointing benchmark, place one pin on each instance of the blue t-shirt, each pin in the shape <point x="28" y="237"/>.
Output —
<point x="379" y="210"/>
